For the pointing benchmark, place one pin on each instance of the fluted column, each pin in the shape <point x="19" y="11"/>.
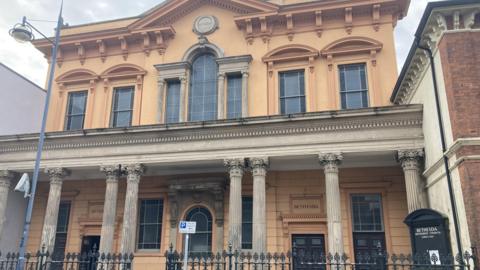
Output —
<point x="109" y="208"/>
<point x="183" y="94"/>
<point x="330" y="162"/>
<point x="235" y="169"/>
<point x="244" y="94"/>
<point x="51" y="215"/>
<point x="411" y="161"/>
<point x="259" y="172"/>
<point x="134" y="172"/>
<point x="5" y="181"/>
<point x="221" y="96"/>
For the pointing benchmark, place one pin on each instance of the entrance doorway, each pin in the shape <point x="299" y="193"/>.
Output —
<point x="309" y="248"/>
<point x="88" y="242"/>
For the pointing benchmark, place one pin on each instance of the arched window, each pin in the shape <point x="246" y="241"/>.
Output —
<point x="202" y="100"/>
<point x="201" y="241"/>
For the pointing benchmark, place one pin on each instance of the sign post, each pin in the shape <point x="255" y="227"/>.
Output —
<point x="187" y="228"/>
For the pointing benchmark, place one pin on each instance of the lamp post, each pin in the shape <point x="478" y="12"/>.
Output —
<point x="23" y="33"/>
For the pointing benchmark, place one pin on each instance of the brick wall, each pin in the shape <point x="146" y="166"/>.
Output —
<point x="460" y="54"/>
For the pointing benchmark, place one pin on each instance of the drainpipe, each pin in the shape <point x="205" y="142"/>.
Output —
<point x="453" y="203"/>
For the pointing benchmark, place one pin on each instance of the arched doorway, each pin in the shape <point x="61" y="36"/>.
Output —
<point x="201" y="241"/>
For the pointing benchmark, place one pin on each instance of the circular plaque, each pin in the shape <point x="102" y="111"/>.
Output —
<point x="205" y="25"/>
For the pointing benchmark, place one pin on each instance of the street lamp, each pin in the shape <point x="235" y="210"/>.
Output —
<point x="23" y="32"/>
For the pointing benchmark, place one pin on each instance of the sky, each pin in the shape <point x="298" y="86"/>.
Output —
<point x="26" y="60"/>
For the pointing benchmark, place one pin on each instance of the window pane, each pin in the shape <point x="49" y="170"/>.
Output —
<point x="247" y="218"/>
<point x="353" y="86"/>
<point x="292" y="92"/>
<point x="172" y="110"/>
<point x="150" y="224"/>
<point x="202" y="98"/>
<point x="122" y="107"/>
<point x="75" y="116"/>
<point x="63" y="217"/>
<point x="367" y="213"/>
<point x="234" y="96"/>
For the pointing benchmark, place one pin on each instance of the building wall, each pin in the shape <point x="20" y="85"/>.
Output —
<point x="460" y="55"/>
<point x="322" y="90"/>
<point x="23" y="111"/>
<point x="87" y="202"/>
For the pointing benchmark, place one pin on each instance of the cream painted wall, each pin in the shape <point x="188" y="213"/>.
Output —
<point x="436" y="182"/>
<point x="231" y="40"/>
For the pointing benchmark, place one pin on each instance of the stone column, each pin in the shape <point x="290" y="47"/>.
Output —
<point x="51" y="215"/>
<point x="160" y="97"/>
<point x="221" y="96"/>
<point x="5" y="181"/>
<point x="235" y="169"/>
<point x="411" y="161"/>
<point x="244" y="94"/>
<point x="134" y="172"/>
<point x="259" y="171"/>
<point x="109" y="208"/>
<point x="183" y="93"/>
<point x="330" y="162"/>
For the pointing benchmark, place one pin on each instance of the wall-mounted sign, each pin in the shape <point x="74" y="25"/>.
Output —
<point x="205" y="25"/>
<point x="187" y="227"/>
<point x="308" y="204"/>
<point x="429" y="233"/>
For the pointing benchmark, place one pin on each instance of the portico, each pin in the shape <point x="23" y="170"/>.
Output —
<point x="209" y="175"/>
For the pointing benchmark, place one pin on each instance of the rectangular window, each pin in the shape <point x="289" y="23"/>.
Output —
<point x="76" y="105"/>
<point x="234" y="96"/>
<point x="367" y="213"/>
<point x="62" y="229"/>
<point x="353" y="86"/>
<point x="247" y="221"/>
<point x="122" y="108"/>
<point x="150" y="224"/>
<point x="172" y="108"/>
<point x="292" y="92"/>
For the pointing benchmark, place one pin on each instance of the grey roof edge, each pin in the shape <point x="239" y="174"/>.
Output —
<point x="421" y="27"/>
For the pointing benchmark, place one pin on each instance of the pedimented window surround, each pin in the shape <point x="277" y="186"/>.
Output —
<point x="286" y="58"/>
<point x="123" y="75"/>
<point x="181" y="71"/>
<point x="353" y="50"/>
<point x="76" y="80"/>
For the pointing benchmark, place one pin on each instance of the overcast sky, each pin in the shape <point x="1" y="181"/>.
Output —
<point x="26" y="60"/>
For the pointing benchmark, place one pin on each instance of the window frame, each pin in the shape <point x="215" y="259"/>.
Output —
<point x="303" y="98"/>
<point x="161" y="227"/>
<point x="132" y="104"/>
<point x="191" y="88"/>
<point x="365" y="64"/>
<point x="67" y="115"/>
<point x="165" y="109"/>
<point x="382" y="213"/>
<point x="238" y="112"/>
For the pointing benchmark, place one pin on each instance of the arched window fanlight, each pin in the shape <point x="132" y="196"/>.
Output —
<point x="202" y="100"/>
<point x="201" y="241"/>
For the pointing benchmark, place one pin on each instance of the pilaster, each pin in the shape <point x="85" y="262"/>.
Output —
<point x="411" y="161"/>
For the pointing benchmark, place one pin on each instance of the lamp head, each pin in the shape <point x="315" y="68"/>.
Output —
<point x="21" y="32"/>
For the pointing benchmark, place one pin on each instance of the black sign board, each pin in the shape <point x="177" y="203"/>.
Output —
<point x="429" y="233"/>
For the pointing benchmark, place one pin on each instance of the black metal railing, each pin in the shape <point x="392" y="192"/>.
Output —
<point x="43" y="260"/>
<point x="379" y="260"/>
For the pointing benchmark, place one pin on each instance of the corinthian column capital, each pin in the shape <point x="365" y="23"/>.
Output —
<point x="410" y="159"/>
<point x="134" y="171"/>
<point x="259" y="166"/>
<point x="112" y="171"/>
<point x="235" y="166"/>
<point x="330" y="161"/>
<point x="56" y="175"/>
